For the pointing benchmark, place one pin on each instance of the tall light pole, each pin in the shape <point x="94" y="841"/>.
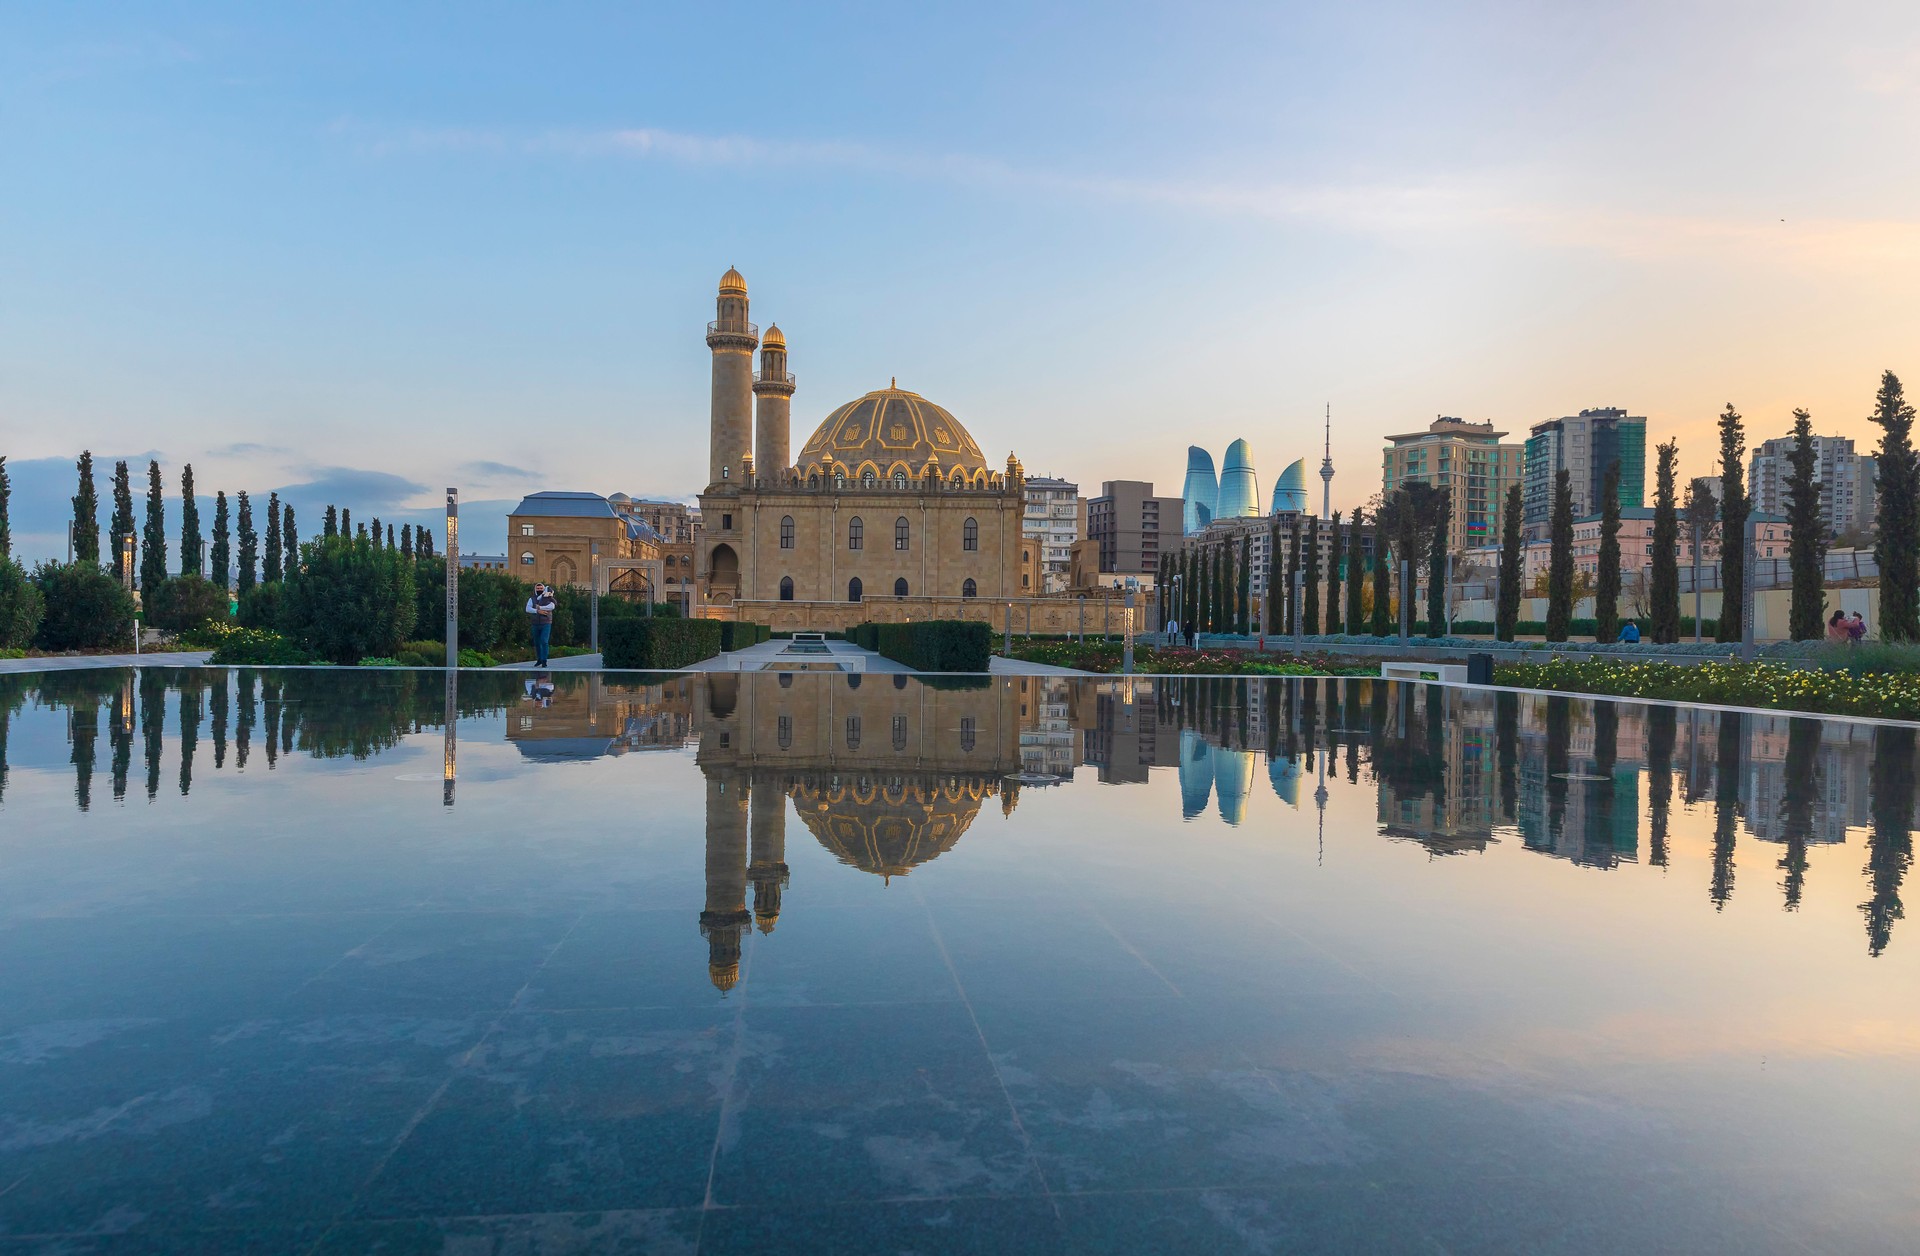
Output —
<point x="453" y="584"/>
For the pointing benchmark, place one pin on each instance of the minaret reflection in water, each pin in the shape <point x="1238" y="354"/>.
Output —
<point x="887" y="773"/>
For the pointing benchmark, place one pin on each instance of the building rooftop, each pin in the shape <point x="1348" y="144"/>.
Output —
<point x="564" y="505"/>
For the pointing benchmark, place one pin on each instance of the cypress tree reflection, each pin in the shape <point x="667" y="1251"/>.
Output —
<point x="190" y="705"/>
<point x="243" y="731"/>
<point x="120" y="735"/>
<point x="1660" y="737"/>
<point x="1506" y="736"/>
<point x="1726" y="805"/>
<point x="1890" y="842"/>
<point x="153" y="717"/>
<point x="1801" y="790"/>
<point x="218" y="720"/>
<point x="1559" y="745"/>
<point x="83" y="730"/>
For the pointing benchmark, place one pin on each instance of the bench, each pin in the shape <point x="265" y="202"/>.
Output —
<point x="1452" y="673"/>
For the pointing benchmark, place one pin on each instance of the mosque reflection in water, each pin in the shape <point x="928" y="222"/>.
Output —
<point x="888" y="772"/>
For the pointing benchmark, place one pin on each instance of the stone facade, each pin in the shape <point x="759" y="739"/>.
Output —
<point x="889" y="504"/>
<point x="550" y="537"/>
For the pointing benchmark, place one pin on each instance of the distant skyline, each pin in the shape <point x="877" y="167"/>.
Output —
<point x="378" y="250"/>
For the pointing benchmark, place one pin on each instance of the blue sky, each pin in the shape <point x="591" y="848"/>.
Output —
<point x="380" y="249"/>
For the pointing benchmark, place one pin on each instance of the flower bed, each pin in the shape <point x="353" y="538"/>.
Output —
<point x="1764" y="685"/>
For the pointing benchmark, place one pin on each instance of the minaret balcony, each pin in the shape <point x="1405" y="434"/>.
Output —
<point x="744" y="333"/>
<point x="774" y="377"/>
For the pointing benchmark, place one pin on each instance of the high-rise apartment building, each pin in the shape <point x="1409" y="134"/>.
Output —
<point x="1466" y="458"/>
<point x="1584" y="445"/>
<point x="1846" y="481"/>
<point x="1054" y="516"/>
<point x="1133" y="526"/>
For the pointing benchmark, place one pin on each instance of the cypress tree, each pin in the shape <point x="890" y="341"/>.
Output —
<point x="1560" y="560"/>
<point x="376" y="532"/>
<point x="1506" y="616"/>
<point x="272" y="559"/>
<point x="1897" y="546"/>
<point x="1356" y="571"/>
<point x="1310" y="598"/>
<point x="153" y="539"/>
<point x="222" y="566"/>
<point x="6" y="502"/>
<point x="346" y="523"/>
<point x="289" y="543"/>
<point x="1276" y="597"/>
<point x="1441" y="512"/>
<point x="1734" y="509"/>
<point x="1666" y="547"/>
<point x="1246" y="584"/>
<point x="1382" y="576"/>
<point x="361" y="537"/>
<point x="1806" y="535"/>
<point x="122" y="525"/>
<point x="1335" y="554"/>
<point x="1606" y="584"/>
<point x="249" y="547"/>
<point x="1222" y="588"/>
<point x="86" y="513"/>
<point x="331" y="528"/>
<point x="406" y="549"/>
<point x="193" y="544"/>
<point x="424" y="539"/>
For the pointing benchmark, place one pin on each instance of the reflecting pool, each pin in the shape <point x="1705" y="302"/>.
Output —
<point x="323" y="961"/>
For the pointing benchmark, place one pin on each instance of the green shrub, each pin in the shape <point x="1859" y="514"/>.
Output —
<point x="21" y="606"/>
<point x="381" y="663"/>
<point x="349" y="600"/>
<point x="738" y="636"/>
<point x="658" y="643"/>
<point x="86" y="608"/>
<point x="933" y="645"/>
<point x="258" y="647"/>
<point x="476" y="658"/>
<point x="12" y="652"/>
<point x="260" y="606"/>
<point x="424" y="654"/>
<point x="183" y="602"/>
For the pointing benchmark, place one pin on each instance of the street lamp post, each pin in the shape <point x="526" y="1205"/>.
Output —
<point x="593" y="612"/>
<point x="453" y="587"/>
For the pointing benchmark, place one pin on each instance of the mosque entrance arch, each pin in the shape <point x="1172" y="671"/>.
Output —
<point x="723" y="573"/>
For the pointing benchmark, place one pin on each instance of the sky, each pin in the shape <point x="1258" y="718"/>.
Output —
<point x="361" y="252"/>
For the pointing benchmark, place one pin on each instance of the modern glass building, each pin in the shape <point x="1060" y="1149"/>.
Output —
<point x="1584" y="445"/>
<point x="1239" y="484"/>
<point x="1290" y="490"/>
<point x="1201" y="490"/>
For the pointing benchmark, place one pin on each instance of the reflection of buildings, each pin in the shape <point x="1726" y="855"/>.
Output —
<point x="886" y="772"/>
<point x="587" y="718"/>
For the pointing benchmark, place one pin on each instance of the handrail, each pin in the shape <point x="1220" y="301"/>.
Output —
<point x="778" y="377"/>
<point x="747" y="329"/>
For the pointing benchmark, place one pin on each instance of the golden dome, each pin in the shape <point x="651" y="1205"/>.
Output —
<point x="733" y="281"/>
<point x="724" y="976"/>
<point x="888" y="426"/>
<point x="889" y="826"/>
<point x="774" y="338"/>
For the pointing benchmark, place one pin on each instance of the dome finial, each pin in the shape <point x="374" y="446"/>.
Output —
<point x="733" y="282"/>
<point x="893" y="381"/>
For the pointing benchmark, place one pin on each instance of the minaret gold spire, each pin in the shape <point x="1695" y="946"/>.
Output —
<point x="732" y="339"/>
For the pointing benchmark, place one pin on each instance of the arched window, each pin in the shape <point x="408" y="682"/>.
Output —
<point x="866" y="479"/>
<point x="900" y="533"/>
<point x="856" y="533"/>
<point x="970" y="534"/>
<point x="853" y="589"/>
<point x="786" y="588"/>
<point x="899" y="479"/>
<point x="786" y="680"/>
<point x="786" y="531"/>
<point x="968" y="588"/>
<point x="899" y="680"/>
<point x="853" y="732"/>
<point x="900" y="587"/>
<point x="899" y="733"/>
<point x="785" y="727"/>
<point x="966" y="734"/>
<point x="526" y="558"/>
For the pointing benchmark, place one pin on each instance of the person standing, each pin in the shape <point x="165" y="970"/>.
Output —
<point x="1857" y="628"/>
<point x="540" y="608"/>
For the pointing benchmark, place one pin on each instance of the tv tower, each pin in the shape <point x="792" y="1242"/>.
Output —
<point x="1326" y="470"/>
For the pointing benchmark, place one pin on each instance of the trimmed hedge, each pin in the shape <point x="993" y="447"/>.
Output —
<point x="931" y="645"/>
<point x="658" y="643"/>
<point x="736" y="636"/>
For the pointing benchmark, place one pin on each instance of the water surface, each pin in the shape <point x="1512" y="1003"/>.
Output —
<point x="294" y="962"/>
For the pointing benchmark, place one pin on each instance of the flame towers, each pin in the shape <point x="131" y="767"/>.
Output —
<point x="1239" y="485"/>
<point x="1201" y="490"/>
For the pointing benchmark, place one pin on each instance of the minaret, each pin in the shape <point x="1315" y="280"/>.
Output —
<point x="772" y="408"/>
<point x="768" y="828"/>
<point x="725" y="918"/>
<point x="732" y="339"/>
<point x="1326" y="463"/>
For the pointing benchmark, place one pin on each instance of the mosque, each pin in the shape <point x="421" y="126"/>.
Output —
<point x="889" y="498"/>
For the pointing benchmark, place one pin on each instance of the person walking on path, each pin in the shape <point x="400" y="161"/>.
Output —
<point x="540" y="607"/>
<point x="1838" y="631"/>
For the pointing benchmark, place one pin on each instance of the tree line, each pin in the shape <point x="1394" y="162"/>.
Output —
<point x="1207" y="588"/>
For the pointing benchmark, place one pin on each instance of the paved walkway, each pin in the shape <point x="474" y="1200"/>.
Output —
<point x="999" y="665"/>
<point x="573" y="663"/>
<point x="76" y="662"/>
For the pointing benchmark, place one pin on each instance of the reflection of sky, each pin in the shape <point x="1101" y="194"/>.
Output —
<point x="1616" y="1009"/>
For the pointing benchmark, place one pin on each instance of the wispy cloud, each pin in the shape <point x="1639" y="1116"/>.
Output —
<point x="494" y="471"/>
<point x="354" y="488"/>
<point x="1508" y="202"/>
